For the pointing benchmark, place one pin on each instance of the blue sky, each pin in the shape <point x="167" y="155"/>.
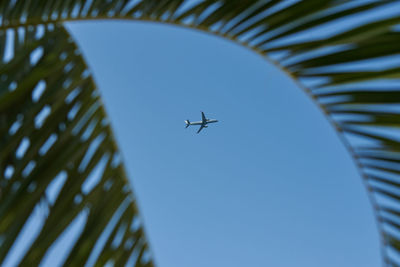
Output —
<point x="269" y="185"/>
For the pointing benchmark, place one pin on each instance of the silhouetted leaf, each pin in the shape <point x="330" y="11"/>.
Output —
<point x="343" y="53"/>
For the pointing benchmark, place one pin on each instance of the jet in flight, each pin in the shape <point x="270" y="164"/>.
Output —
<point x="203" y="123"/>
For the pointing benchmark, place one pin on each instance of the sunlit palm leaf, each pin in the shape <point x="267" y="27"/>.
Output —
<point x="55" y="138"/>
<point x="342" y="53"/>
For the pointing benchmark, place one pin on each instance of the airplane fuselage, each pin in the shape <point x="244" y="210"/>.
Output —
<point x="200" y="122"/>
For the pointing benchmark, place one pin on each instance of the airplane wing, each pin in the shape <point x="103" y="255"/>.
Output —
<point x="203" y="117"/>
<point x="201" y="128"/>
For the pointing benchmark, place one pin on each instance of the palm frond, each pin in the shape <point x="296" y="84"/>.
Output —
<point x="343" y="54"/>
<point x="58" y="153"/>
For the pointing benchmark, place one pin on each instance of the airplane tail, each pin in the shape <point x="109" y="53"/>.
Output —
<point x="187" y="123"/>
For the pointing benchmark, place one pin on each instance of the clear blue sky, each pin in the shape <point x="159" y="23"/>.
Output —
<point x="269" y="185"/>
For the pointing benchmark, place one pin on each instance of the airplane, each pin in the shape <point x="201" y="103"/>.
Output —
<point x="203" y="123"/>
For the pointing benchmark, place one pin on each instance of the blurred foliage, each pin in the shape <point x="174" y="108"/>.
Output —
<point x="58" y="153"/>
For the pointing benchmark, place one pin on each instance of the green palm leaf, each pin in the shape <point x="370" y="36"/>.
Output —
<point x="341" y="53"/>
<point x="54" y="130"/>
